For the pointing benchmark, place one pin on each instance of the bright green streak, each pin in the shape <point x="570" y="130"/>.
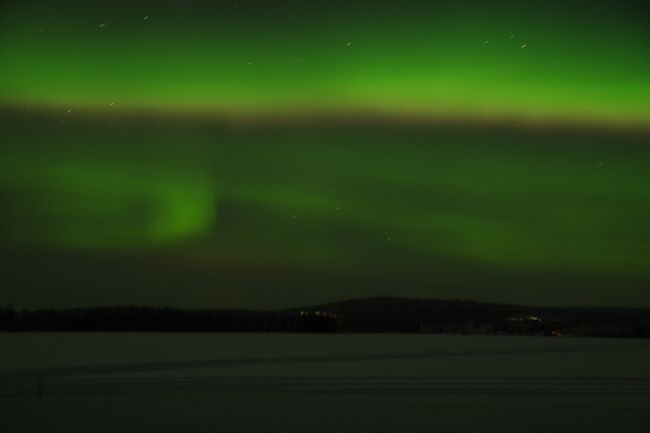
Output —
<point x="92" y="203"/>
<point x="578" y="61"/>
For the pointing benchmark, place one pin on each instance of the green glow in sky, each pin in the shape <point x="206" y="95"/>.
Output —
<point x="257" y="215"/>
<point x="529" y="59"/>
<point x="89" y="204"/>
<point x="465" y="149"/>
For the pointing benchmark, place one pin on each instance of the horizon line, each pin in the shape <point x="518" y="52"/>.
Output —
<point x="326" y="303"/>
<point x="301" y="116"/>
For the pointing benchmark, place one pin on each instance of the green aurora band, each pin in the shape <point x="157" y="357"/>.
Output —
<point x="266" y="154"/>
<point x="531" y="59"/>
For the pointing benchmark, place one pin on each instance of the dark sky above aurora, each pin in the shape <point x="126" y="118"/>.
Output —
<point x="277" y="153"/>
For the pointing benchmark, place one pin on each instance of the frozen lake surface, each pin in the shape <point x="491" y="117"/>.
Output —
<point x="319" y="383"/>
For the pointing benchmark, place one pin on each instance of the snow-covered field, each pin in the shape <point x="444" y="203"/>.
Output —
<point x="321" y="383"/>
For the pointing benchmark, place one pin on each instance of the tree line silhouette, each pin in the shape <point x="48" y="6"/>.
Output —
<point x="358" y="315"/>
<point x="152" y="319"/>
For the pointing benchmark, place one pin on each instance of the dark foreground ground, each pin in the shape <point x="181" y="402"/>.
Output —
<point x="321" y="383"/>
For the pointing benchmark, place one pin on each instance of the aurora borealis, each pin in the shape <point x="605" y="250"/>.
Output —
<point x="279" y="153"/>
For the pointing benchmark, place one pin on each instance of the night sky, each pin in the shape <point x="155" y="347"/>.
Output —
<point x="267" y="154"/>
